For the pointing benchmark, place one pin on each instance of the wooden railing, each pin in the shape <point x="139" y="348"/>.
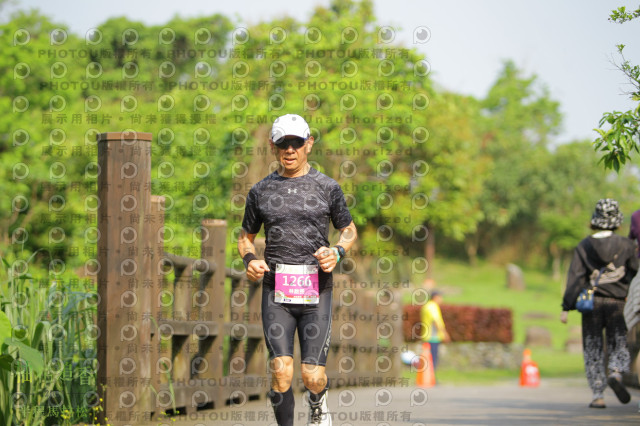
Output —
<point x="196" y="342"/>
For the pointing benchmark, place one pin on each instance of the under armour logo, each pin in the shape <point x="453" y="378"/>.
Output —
<point x="289" y="191"/>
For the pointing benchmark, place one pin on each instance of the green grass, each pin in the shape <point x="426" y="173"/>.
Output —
<point x="485" y="285"/>
<point x="538" y="305"/>
<point x="552" y="364"/>
<point x="451" y="376"/>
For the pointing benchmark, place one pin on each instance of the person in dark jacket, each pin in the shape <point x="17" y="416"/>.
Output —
<point x="611" y="260"/>
<point x="634" y="229"/>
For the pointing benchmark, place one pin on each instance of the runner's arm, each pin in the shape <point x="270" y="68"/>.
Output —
<point x="348" y="236"/>
<point x="327" y="258"/>
<point x="256" y="267"/>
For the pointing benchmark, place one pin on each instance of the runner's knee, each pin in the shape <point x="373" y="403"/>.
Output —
<point x="281" y="373"/>
<point x="314" y="377"/>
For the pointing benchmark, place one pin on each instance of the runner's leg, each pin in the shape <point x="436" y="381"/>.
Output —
<point x="314" y="333"/>
<point x="279" y="328"/>
<point x="434" y="353"/>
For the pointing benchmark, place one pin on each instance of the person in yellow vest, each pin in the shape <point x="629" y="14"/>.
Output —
<point x="433" y="330"/>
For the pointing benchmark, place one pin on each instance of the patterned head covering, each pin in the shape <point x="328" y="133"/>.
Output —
<point x="607" y="215"/>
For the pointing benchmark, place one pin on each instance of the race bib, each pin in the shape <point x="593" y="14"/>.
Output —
<point x="297" y="284"/>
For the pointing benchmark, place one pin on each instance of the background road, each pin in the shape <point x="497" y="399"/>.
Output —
<point x="554" y="402"/>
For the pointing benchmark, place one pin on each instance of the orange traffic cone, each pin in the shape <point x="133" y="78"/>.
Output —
<point x="425" y="377"/>
<point x="529" y="373"/>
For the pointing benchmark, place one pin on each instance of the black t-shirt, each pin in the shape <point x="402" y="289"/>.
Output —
<point x="296" y="214"/>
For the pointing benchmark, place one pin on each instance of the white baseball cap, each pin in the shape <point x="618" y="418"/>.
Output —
<point x="289" y="125"/>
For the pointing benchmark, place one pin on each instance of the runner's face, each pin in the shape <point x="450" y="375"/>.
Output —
<point x="292" y="159"/>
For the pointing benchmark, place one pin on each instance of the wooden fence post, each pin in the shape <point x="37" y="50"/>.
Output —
<point x="247" y="352"/>
<point x="213" y="249"/>
<point x="156" y="239"/>
<point x="124" y="188"/>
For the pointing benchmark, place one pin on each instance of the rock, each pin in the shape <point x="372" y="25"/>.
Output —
<point x="573" y="346"/>
<point x="515" y="277"/>
<point x="574" y="342"/>
<point x="492" y="355"/>
<point x="537" y="336"/>
<point x="575" y="331"/>
<point x="537" y="315"/>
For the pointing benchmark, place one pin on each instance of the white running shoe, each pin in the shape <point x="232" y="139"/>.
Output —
<point x="319" y="412"/>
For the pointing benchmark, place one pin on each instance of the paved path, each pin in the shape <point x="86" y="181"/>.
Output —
<point x="555" y="402"/>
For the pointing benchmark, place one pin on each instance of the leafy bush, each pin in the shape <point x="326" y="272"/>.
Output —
<point x="464" y="323"/>
<point x="47" y="349"/>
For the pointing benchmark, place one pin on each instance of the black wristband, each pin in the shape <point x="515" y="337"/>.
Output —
<point x="248" y="258"/>
<point x="341" y="251"/>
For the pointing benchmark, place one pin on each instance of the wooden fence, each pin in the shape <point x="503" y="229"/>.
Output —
<point x="196" y="342"/>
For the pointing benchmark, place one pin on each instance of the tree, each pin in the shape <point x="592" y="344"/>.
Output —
<point x="572" y="187"/>
<point x="404" y="153"/>
<point x="57" y="96"/>
<point x="617" y="142"/>
<point x="517" y="119"/>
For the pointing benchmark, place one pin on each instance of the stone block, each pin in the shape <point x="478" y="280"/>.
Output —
<point x="537" y="336"/>
<point x="515" y="277"/>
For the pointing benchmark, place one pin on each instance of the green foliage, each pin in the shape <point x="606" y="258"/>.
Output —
<point x="621" y="135"/>
<point x="407" y="155"/>
<point x="513" y="126"/>
<point x="620" y="15"/>
<point x="520" y="118"/>
<point x="47" y="349"/>
<point x="538" y="305"/>
<point x="484" y="285"/>
<point x="76" y="89"/>
<point x="617" y="143"/>
<point x="572" y="187"/>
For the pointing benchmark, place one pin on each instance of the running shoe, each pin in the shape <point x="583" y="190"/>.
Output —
<point x="319" y="412"/>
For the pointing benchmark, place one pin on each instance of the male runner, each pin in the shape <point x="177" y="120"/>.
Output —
<point x="295" y="203"/>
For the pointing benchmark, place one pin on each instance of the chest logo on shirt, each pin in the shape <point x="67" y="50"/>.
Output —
<point x="289" y="191"/>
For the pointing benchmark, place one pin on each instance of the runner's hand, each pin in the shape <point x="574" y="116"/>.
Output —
<point x="564" y="316"/>
<point x="256" y="269"/>
<point x="327" y="258"/>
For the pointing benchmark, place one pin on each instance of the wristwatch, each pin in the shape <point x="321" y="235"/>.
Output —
<point x="341" y="251"/>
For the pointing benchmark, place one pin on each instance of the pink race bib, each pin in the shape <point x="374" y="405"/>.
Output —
<point x="297" y="284"/>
